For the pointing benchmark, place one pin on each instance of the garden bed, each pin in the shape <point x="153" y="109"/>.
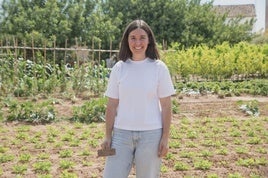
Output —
<point x="210" y="137"/>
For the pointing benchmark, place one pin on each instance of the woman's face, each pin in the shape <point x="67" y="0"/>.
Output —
<point x="138" y="42"/>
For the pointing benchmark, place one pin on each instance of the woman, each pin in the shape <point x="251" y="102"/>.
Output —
<point x="138" y="113"/>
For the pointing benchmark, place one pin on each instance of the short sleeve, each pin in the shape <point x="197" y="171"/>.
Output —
<point x="165" y="85"/>
<point x="112" y="90"/>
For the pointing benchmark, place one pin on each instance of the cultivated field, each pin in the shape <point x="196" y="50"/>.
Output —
<point x="210" y="137"/>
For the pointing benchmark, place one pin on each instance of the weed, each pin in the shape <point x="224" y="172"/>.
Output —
<point x="44" y="176"/>
<point x="66" y="164"/>
<point x="241" y="150"/>
<point x="42" y="166"/>
<point x="262" y="150"/>
<point x="212" y="176"/>
<point x="235" y="175"/>
<point x="254" y="140"/>
<point x="93" y="142"/>
<point x="90" y="111"/>
<point x="251" y="108"/>
<point x="24" y="157"/>
<point x="170" y="156"/>
<point x="85" y="153"/>
<point x="3" y="149"/>
<point x="19" y="169"/>
<point x="187" y="154"/>
<point x="254" y="175"/>
<point x="180" y="166"/>
<point x="87" y="163"/>
<point x="174" y="144"/>
<point x="6" y="158"/>
<point x="66" y="153"/>
<point x="248" y="162"/>
<point x="202" y="164"/>
<point x="164" y="169"/>
<point x="74" y="143"/>
<point x="175" y="106"/>
<point x="66" y="174"/>
<point x="192" y="134"/>
<point x="43" y="156"/>
<point x="222" y="151"/>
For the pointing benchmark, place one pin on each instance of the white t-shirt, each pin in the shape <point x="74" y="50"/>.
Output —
<point x="138" y="85"/>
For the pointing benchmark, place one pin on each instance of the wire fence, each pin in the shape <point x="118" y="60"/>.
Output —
<point x="75" y="54"/>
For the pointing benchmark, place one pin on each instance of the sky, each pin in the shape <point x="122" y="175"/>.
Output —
<point x="259" y="5"/>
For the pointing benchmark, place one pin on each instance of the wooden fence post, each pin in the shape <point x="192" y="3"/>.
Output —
<point x="15" y="61"/>
<point x="65" y="51"/>
<point x="54" y="53"/>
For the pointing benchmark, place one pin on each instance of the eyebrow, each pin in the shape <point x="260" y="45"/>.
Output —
<point x="135" y="35"/>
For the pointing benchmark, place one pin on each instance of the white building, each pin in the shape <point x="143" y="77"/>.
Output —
<point x="257" y="9"/>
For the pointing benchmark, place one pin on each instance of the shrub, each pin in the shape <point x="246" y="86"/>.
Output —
<point x="90" y="111"/>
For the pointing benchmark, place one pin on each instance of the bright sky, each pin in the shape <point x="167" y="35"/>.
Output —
<point x="259" y="5"/>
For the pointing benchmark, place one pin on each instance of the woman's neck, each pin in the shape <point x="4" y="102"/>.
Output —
<point x="138" y="58"/>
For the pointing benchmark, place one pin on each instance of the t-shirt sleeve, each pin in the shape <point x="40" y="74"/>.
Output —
<point x="113" y="83"/>
<point x="165" y="85"/>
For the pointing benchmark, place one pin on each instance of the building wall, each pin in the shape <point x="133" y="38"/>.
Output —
<point x="266" y="15"/>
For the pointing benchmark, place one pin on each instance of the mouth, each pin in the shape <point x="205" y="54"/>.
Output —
<point x="137" y="48"/>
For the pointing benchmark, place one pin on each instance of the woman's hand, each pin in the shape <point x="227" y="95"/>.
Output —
<point x="106" y="144"/>
<point x="163" y="147"/>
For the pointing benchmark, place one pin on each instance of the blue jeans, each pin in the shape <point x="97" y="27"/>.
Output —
<point x="134" y="147"/>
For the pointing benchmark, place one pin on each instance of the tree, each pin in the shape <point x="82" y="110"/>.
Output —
<point x="186" y="22"/>
<point x="46" y="20"/>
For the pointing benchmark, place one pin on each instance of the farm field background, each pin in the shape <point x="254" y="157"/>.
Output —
<point x="210" y="137"/>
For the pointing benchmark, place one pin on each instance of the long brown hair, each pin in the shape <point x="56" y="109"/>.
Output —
<point x="151" y="51"/>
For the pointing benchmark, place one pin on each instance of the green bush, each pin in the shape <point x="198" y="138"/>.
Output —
<point x="31" y="112"/>
<point x="90" y="111"/>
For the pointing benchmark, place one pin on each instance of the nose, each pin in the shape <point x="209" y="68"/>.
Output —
<point x="138" y="42"/>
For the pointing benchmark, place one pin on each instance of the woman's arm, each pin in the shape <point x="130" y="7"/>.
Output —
<point x="110" y="114"/>
<point x="166" y="121"/>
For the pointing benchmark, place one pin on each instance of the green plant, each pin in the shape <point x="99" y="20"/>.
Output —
<point x="212" y="176"/>
<point x="66" y="153"/>
<point x="235" y="175"/>
<point x="1" y="171"/>
<point x="66" y="174"/>
<point x="24" y="157"/>
<point x="180" y="166"/>
<point x="164" y="169"/>
<point x="254" y="140"/>
<point x="66" y="164"/>
<point x="44" y="176"/>
<point x="90" y="111"/>
<point x="85" y="152"/>
<point x="175" y="106"/>
<point x="19" y="169"/>
<point x="6" y="158"/>
<point x="251" y="108"/>
<point x="202" y="164"/>
<point x="31" y="112"/>
<point x="42" y="166"/>
<point x="241" y="150"/>
<point x="43" y="156"/>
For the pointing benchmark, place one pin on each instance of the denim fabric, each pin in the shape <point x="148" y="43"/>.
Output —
<point x="134" y="147"/>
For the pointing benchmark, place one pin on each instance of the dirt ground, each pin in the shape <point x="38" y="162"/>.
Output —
<point x="193" y="108"/>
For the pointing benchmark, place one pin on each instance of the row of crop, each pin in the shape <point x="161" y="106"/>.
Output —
<point x="21" y="77"/>
<point x="241" y="61"/>
<point x="45" y="111"/>
<point x="198" y="147"/>
<point x="93" y="110"/>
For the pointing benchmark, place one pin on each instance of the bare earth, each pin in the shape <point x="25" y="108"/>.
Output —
<point x="194" y="113"/>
